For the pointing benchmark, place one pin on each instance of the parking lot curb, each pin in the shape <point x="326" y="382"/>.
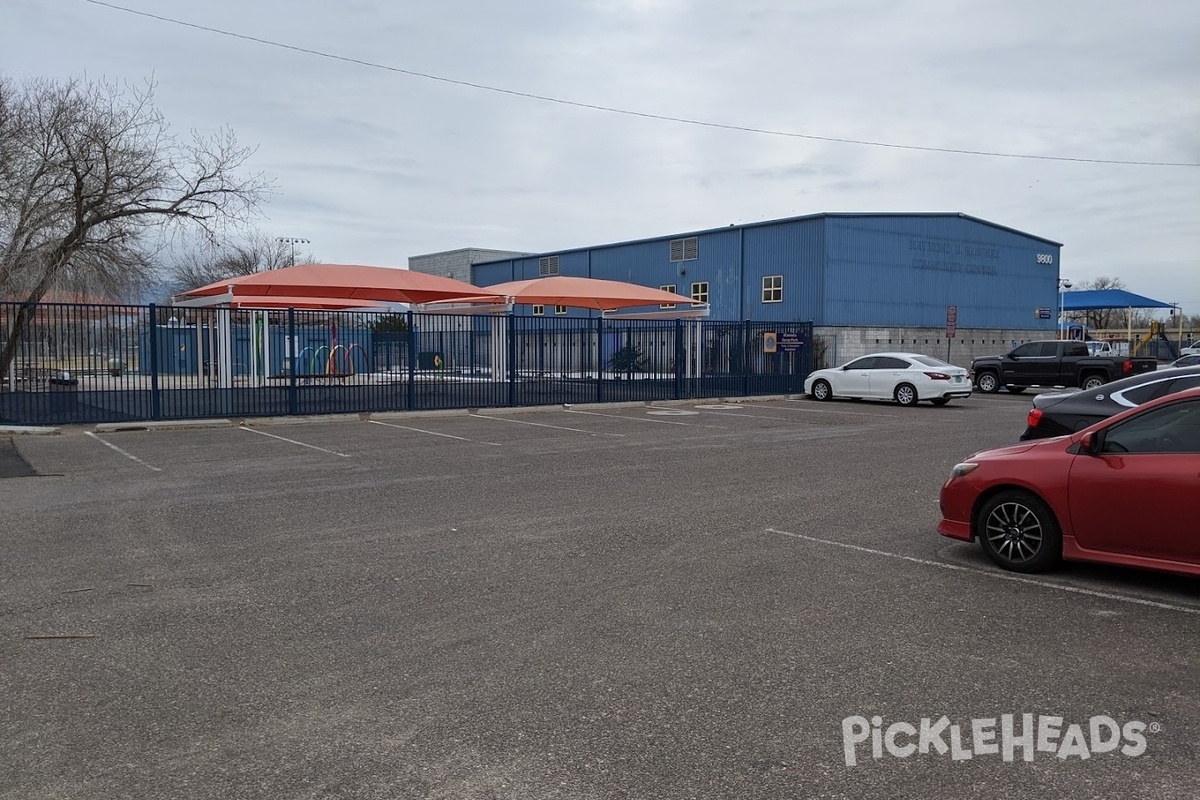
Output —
<point x="162" y="425"/>
<point x="505" y="411"/>
<point x="596" y="406"/>
<point x="383" y="416"/>
<point x="30" y="430"/>
<point x="252" y="422"/>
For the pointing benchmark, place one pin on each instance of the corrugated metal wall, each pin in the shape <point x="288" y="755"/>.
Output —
<point x="840" y="270"/>
<point x="905" y="271"/>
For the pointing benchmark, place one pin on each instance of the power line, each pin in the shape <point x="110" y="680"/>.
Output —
<point x="625" y="111"/>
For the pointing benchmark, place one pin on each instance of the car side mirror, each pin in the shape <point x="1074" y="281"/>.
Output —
<point x="1091" y="443"/>
<point x="1014" y="356"/>
<point x="845" y="367"/>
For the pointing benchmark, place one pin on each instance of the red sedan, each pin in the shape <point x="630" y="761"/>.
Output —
<point x="1124" y="491"/>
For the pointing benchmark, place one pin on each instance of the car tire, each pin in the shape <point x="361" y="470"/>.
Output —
<point x="987" y="382"/>
<point x="1018" y="532"/>
<point x="1092" y="382"/>
<point x="940" y="401"/>
<point x="821" y="390"/>
<point x="905" y="394"/>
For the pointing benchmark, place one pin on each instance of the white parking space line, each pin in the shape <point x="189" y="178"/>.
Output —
<point x="829" y="410"/>
<point x="434" y="433"/>
<point x="1000" y="576"/>
<point x="640" y="419"/>
<point x="293" y="441"/>
<point x="723" y="413"/>
<point x="543" y="425"/>
<point x="130" y="456"/>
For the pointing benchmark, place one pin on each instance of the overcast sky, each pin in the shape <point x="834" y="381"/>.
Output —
<point x="374" y="166"/>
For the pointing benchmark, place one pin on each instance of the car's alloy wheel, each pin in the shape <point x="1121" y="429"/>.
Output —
<point x="988" y="383"/>
<point x="1019" y="532"/>
<point x="905" y="394"/>
<point x="1094" y="382"/>
<point x="821" y="390"/>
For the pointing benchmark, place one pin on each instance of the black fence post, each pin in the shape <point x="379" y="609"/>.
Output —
<point x="412" y="360"/>
<point x="747" y="357"/>
<point x="599" y="359"/>
<point x="155" y="399"/>
<point x="511" y="344"/>
<point x="678" y="361"/>
<point x="293" y="348"/>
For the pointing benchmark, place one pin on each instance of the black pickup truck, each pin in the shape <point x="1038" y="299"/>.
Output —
<point x="1053" y="363"/>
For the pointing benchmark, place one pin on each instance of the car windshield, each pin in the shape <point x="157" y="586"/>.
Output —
<point x="930" y="361"/>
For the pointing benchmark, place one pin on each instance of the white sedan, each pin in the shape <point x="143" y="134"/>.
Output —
<point x="907" y="378"/>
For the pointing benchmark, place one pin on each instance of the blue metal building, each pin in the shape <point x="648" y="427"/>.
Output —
<point x="835" y="269"/>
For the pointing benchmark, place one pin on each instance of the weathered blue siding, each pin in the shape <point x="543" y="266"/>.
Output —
<point x="894" y="270"/>
<point x="905" y="271"/>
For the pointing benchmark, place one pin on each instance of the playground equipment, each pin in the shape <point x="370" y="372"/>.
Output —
<point x="1157" y="334"/>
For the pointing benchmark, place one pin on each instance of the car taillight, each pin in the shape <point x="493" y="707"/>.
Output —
<point x="938" y="376"/>
<point x="1127" y="366"/>
<point x="1035" y="416"/>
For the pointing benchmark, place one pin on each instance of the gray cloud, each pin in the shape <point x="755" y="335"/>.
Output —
<point x="374" y="166"/>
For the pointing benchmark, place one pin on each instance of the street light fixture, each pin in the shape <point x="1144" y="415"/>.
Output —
<point x="293" y="241"/>
<point x="1063" y="285"/>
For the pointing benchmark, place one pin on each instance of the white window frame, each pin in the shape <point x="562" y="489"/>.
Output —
<point x="668" y="287"/>
<point x="560" y="309"/>
<point x="539" y="310"/>
<point x="700" y="292"/>
<point x="772" y="289"/>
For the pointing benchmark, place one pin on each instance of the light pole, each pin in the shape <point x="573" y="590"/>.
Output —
<point x="293" y="241"/>
<point x="1063" y="285"/>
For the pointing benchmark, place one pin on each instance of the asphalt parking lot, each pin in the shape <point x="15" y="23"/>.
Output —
<point x="679" y="602"/>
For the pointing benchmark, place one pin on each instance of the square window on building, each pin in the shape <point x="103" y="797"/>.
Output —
<point x="560" y="309"/>
<point x="539" y="310"/>
<point x="772" y="289"/>
<point x="668" y="287"/>
<point x="700" y="292"/>
<point x="547" y="265"/>
<point x="685" y="249"/>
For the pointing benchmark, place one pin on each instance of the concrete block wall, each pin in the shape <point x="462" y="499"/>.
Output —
<point x="835" y="346"/>
<point x="456" y="263"/>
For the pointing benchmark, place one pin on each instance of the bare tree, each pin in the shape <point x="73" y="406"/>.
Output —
<point x="1102" y="317"/>
<point x="254" y="253"/>
<point x="88" y="170"/>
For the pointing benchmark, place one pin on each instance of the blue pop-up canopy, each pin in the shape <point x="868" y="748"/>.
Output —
<point x="1089" y="299"/>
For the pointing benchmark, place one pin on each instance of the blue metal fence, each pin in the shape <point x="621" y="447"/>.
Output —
<point x="101" y="363"/>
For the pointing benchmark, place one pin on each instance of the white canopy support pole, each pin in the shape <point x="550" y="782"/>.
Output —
<point x="254" y="349"/>
<point x="499" y="347"/>
<point x="224" y="362"/>
<point x="687" y="350"/>
<point x="200" y="348"/>
<point x="266" y="347"/>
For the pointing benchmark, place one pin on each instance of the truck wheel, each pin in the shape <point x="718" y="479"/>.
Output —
<point x="987" y="382"/>
<point x="1093" y="382"/>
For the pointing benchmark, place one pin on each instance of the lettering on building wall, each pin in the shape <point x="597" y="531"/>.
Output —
<point x="949" y="256"/>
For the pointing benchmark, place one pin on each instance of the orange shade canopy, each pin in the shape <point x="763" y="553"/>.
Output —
<point x="345" y="282"/>
<point x="602" y="295"/>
